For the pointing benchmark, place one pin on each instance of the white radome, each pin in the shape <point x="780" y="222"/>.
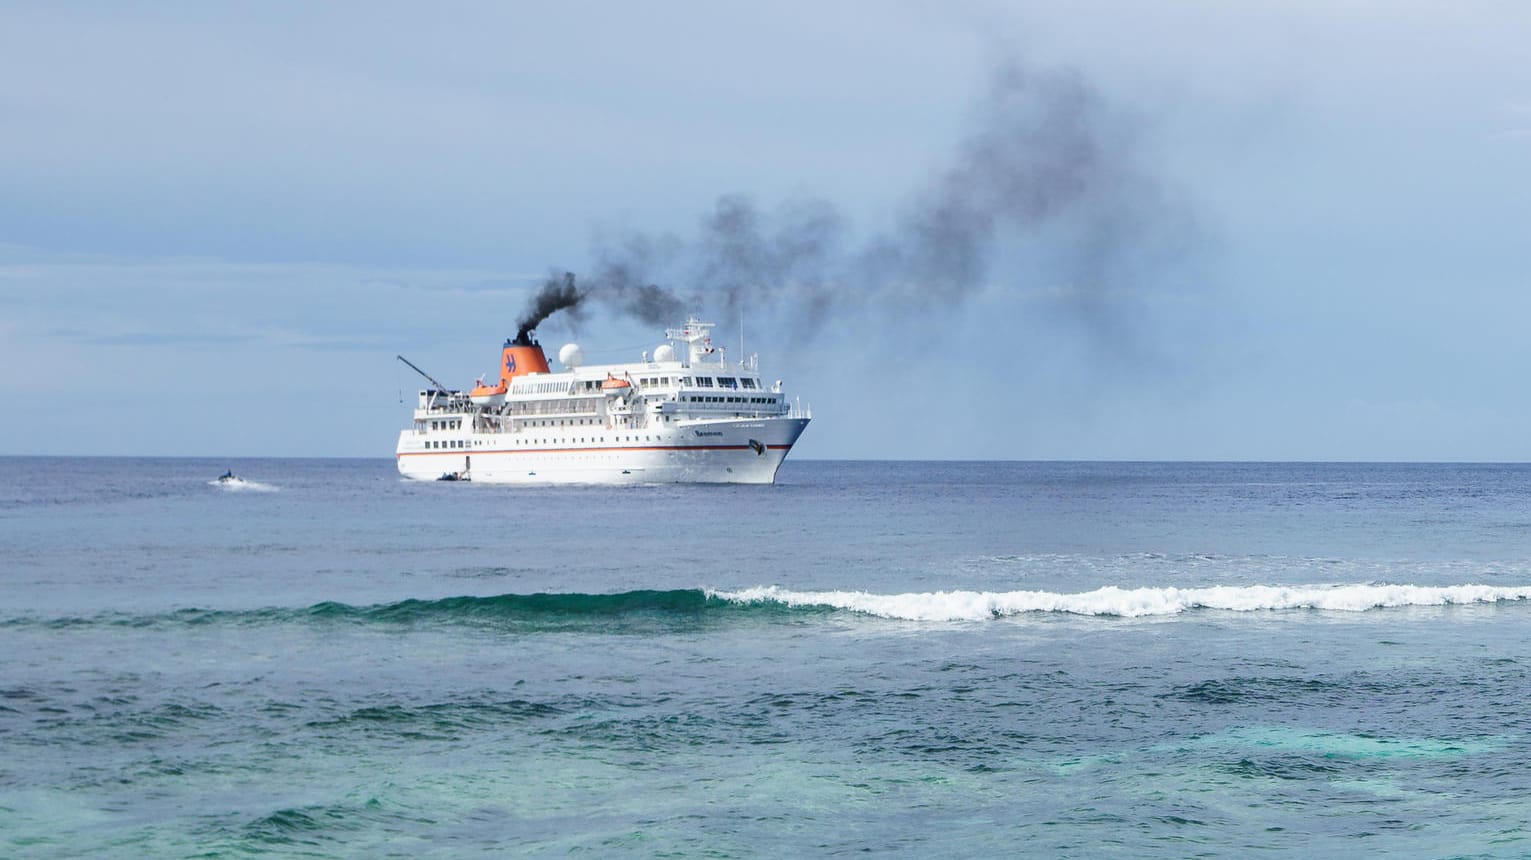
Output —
<point x="664" y="352"/>
<point x="570" y="355"/>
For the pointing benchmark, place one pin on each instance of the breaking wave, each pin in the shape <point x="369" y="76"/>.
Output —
<point x="1131" y="602"/>
<point x="644" y="609"/>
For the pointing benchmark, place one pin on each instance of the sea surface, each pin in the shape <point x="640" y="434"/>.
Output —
<point x="903" y="658"/>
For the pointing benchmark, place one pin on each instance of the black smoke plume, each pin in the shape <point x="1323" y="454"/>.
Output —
<point x="1048" y="170"/>
<point x="556" y="294"/>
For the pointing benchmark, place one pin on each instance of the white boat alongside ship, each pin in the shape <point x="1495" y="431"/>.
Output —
<point x="662" y="419"/>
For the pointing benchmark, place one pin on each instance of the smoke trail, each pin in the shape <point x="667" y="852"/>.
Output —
<point x="556" y="295"/>
<point x="1048" y="167"/>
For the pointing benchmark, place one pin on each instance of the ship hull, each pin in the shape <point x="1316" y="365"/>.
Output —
<point x="729" y="451"/>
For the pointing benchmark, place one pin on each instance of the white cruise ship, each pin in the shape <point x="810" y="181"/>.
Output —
<point x="662" y="419"/>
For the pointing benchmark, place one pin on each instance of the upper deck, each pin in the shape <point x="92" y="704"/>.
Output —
<point x="663" y="388"/>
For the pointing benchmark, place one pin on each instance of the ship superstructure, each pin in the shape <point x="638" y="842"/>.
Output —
<point x="665" y="418"/>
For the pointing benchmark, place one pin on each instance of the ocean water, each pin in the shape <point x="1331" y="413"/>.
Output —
<point x="917" y="659"/>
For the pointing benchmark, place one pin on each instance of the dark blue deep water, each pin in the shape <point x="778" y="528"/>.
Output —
<point x="925" y="659"/>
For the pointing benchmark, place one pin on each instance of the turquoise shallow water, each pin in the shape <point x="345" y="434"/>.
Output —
<point x="912" y="658"/>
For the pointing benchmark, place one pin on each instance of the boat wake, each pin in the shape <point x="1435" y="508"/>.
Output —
<point x="1130" y="602"/>
<point x="241" y="485"/>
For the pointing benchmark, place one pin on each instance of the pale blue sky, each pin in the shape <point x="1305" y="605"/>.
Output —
<point x="219" y="222"/>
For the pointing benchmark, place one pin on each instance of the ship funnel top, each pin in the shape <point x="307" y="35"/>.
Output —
<point x="521" y="356"/>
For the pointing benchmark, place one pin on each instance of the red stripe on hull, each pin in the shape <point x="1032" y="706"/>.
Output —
<point x="471" y="451"/>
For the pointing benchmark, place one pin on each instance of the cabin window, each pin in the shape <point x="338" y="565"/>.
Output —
<point x="704" y="382"/>
<point x="748" y="383"/>
<point x="727" y="382"/>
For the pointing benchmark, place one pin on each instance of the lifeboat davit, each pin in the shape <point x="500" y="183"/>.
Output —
<point x="483" y="395"/>
<point x="614" y="387"/>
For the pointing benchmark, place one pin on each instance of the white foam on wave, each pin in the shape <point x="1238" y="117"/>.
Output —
<point x="240" y="485"/>
<point x="1132" y="602"/>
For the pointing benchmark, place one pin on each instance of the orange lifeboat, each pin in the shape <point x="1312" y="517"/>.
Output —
<point x="614" y="387"/>
<point x="483" y="395"/>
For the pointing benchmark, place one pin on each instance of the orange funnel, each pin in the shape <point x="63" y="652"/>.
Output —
<point x="519" y="359"/>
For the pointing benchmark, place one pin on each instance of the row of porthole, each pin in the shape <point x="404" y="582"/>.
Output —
<point x="582" y="440"/>
<point x="459" y="444"/>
